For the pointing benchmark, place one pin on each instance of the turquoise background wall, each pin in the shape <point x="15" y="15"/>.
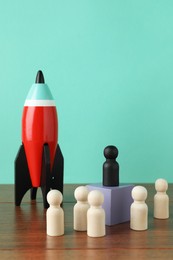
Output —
<point x="109" y="65"/>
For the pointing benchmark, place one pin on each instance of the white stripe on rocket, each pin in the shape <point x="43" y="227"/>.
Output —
<point x="39" y="103"/>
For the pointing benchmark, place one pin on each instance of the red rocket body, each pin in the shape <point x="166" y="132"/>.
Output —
<point x="39" y="127"/>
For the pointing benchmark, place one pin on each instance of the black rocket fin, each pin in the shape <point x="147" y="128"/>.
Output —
<point x="45" y="174"/>
<point x="33" y="193"/>
<point x="22" y="176"/>
<point x="57" y="176"/>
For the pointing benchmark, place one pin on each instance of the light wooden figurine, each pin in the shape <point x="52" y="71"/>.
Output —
<point x="161" y="200"/>
<point x="80" y="208"/>
<point x="55" y="214"/>
<point x="96" y="215"/>
<point x="139" y="209"/>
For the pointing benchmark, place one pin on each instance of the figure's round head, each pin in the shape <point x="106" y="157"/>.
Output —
<point x="95" y="198"/>
<point x="110" y="152"/>
<point x="161" y="185"/>
<point x="54" y="197"/>
<point x="139" y="193"/>
<point x="81" y="193"/>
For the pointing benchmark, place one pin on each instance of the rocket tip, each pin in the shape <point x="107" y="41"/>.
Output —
<point x="39" y="77"/>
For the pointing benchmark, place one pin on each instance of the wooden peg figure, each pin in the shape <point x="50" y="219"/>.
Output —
<point x="161" y="200"/>
<point x="55" y="214"/>
<point x="95" y="215"/>
<point x="80" y="208"/>
<point x="110" y="167"/>
<point x="139" y="209"/>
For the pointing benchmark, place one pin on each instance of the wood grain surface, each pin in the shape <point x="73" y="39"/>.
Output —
<point x="23" y="232"/>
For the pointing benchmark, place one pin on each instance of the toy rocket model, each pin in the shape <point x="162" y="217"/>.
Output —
<point x="39" y="162"/>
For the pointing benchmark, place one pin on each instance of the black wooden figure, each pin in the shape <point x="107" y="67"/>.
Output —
<point x="110" y="167"/>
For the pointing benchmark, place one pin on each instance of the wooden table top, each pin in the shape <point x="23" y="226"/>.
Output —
<point x="23" y="232"/>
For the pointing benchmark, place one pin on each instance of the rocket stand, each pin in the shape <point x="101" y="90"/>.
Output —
<point x="49" y="180"/>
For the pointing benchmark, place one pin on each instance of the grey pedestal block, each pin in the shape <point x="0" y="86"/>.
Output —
<point x="117" y="202"/>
